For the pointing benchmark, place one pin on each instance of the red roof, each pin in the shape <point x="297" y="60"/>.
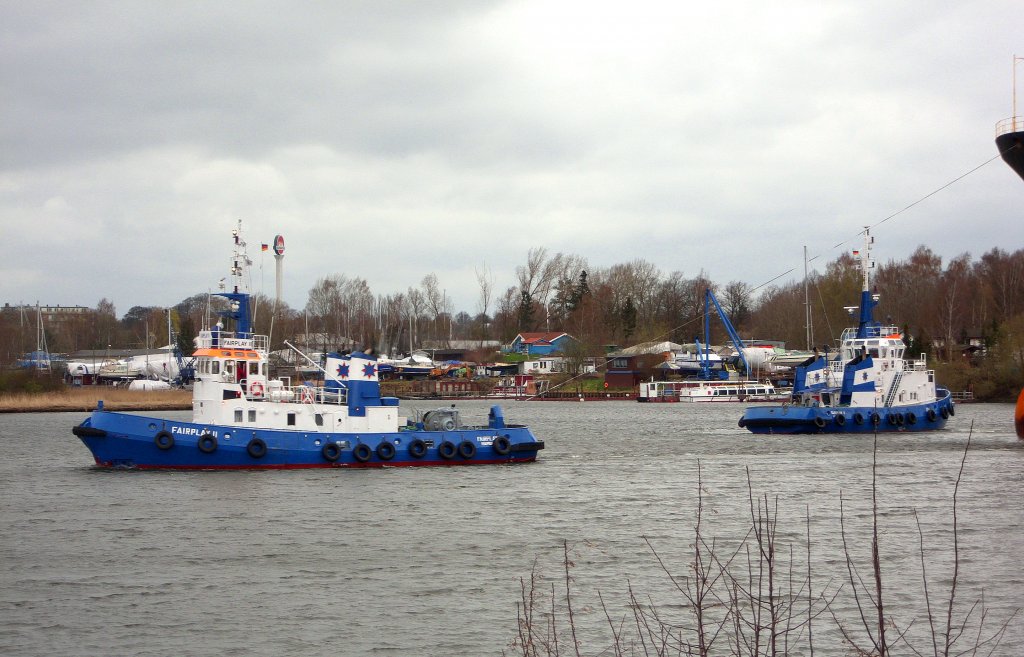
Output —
<point x="538" y="338"/>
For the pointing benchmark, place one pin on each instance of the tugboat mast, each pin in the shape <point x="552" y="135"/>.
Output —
<point x="865" y="260"/>
<point x="238" y="297"/>
<point x="868" y="301"/>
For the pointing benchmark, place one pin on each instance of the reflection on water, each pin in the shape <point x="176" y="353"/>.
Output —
<point x="427" y="561"/>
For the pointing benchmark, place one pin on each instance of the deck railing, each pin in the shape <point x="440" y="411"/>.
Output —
<point x="229" y="340"/>
<point x="300" y="393"/>
<point x="1012" y="124"/>
<point x="850" y="333"/>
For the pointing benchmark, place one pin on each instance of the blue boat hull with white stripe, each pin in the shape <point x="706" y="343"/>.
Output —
<point x="849" y="419"/>
<point x="123" y="440"/>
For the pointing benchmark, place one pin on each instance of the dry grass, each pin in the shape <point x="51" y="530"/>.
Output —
<point x="85" y="399"/>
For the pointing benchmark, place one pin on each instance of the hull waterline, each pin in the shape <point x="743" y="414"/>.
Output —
<point x="790" y="419"/>
<point x="119" y="440"/>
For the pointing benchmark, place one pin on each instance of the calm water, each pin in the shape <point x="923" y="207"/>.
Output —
<point x="427" y="561"/>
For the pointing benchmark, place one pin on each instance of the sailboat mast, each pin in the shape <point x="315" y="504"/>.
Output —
<point x="41" y="346"/>
<point x="807" y="307"/>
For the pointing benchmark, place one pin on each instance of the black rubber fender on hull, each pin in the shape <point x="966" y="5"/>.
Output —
<point x="784" y="425"/>
<point x="88" y="432"/>
<point x="527" y="447"/>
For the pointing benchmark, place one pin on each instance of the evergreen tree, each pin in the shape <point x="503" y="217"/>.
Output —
<point x="629" y="318"/>
<point x="580" y="290"/>
<point x="526" y="311"/>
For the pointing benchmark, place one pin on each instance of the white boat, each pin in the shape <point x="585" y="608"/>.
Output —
<point x="149" y="385"/>
<point x="790" y="358"/>
<point x="731" y="391"/>
<point x="418" y="365"/>
<point x="161" y="365"/>
<point x="708" y="391"/>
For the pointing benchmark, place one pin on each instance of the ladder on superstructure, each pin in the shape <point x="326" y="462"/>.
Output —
<point x="893" y="389"/>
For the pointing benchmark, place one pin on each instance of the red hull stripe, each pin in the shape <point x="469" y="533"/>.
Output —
<point x="306" y="466"/>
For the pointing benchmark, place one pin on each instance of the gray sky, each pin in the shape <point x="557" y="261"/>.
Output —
<point x="391" y="140"/>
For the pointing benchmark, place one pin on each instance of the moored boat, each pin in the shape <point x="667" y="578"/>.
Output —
<point x="868" y="387"/>
<point x="731" y="391"/>
<point x="245" y="419"/>
<point x="709" y="391"/>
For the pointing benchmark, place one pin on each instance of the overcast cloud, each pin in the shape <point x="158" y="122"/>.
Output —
<point x="391" y="140"/>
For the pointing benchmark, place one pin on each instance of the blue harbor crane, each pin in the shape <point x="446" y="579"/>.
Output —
<point x="705" y="361"/>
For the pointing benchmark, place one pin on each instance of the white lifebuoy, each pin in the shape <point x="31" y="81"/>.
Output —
<point x="306" y="395"/>
<point x="256" y="389"/>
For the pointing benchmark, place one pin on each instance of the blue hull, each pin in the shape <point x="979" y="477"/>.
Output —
<point x="120" y="440"/>
<point x="789" y="419"/>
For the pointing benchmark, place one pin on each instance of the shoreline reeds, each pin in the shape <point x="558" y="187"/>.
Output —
<point x="85" y="399"/>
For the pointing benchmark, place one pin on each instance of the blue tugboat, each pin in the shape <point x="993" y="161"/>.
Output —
<point x="869" y="386"/>
<point x="243" y="419"/>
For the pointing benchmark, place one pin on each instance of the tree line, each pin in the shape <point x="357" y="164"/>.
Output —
<point x="939" y="306"/>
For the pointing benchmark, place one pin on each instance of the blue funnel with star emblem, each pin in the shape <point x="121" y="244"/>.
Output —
<point x="356" y="373"/>
<point x="336" y="369"/>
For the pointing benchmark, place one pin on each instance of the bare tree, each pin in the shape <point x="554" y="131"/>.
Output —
<point x="950" y="294"/>
<point x="736" y="302"/>
<point x="759" y="601"/>
<point x="540" y="274"/>
<point x="414" y="305"/>
<point x="485" y="279"/>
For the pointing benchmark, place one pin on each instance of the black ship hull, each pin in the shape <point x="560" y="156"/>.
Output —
<point x="1011" y="147"/>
